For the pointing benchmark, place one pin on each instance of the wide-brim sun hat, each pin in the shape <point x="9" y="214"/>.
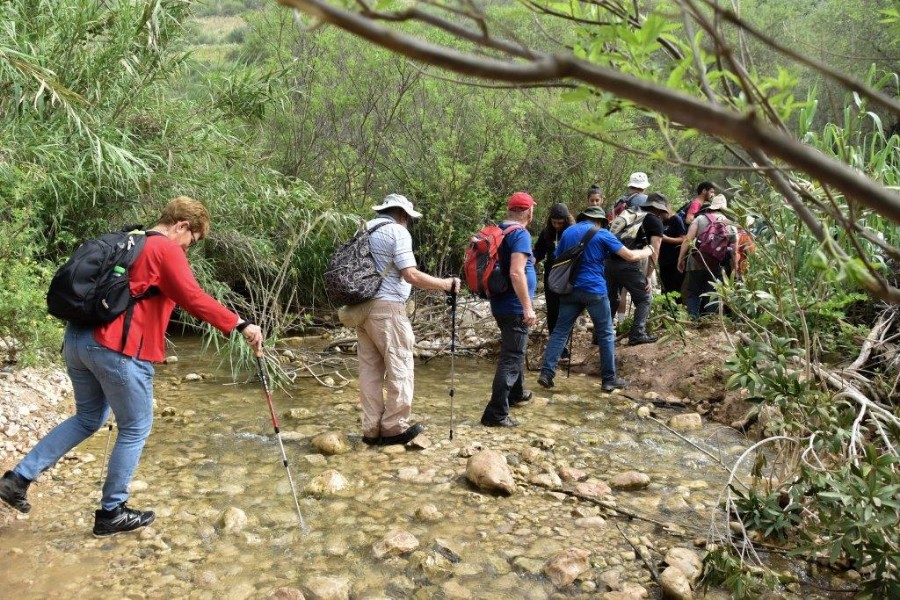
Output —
<point x="718" y="202"/>
<point x="594" y="212"/>
<point x="656" y="201"/>
<point x="396" y="200"/>
<point x="638" y="180"/>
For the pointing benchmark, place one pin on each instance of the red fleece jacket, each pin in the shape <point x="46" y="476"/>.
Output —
<point x="163" y="264"/>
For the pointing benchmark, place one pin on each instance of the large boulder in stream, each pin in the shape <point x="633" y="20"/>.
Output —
<point x="489" y="472"/>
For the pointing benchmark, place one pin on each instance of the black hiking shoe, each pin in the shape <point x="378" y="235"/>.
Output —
<point x="371" y="441"/>
<point x="13" y="488"/>
<point x="527" y="395"/>
<point x="545" y="381"/>
<point x="120" y="520"/>
<point x="504" y="422"/>
<point x="642" y="339"/>
<point x="405" y="437"/>
<point x="613" y="384"/>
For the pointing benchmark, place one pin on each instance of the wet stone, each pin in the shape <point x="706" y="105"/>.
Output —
<point x="331" y="443"/>
<point x="395" y="543"/>
<point x="630" y="480"/>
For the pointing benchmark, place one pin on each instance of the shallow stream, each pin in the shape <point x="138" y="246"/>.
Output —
<point x="213" y="448"/>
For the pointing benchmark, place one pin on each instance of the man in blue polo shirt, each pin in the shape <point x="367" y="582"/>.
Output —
<point x="513" y="312"/>
<point x="589" y="292"/>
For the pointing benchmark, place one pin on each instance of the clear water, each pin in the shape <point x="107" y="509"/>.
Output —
<point x="218" y="451"/>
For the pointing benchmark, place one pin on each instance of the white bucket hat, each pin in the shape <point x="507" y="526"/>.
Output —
<point x="639" y="180"/>
<point x="718" y="202"/>
<point x="399" y="201"/>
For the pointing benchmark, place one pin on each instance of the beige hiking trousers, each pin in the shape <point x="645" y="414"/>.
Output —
<point x="385" y="352"/>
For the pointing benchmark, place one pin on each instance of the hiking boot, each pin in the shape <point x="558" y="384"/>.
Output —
<point x="642" y="339"/>
<point x="13" y="488"/>
<point x="545" y="381"/>
<point x="525" y="399"/>
<point x="612" y="384"/>
<point x="405" y="437"/>
<point x="120" y="520"/>
<point x="504" y="422"/>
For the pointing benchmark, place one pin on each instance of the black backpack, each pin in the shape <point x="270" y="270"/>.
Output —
<point x="92" y="287"/>
<point x="565" y="266"/>
<point x="351" y="276"/>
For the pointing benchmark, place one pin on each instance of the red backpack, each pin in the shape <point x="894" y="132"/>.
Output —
<point x="482" y="266"/>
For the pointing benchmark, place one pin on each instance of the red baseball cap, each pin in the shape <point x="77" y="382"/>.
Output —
<point x="520" y="201"/>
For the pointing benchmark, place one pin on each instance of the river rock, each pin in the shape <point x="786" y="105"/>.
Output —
<point x="428" y="513"/>
<point x="675" y="584"/>
<point x="326" y="483"/>
<point x="595" y="522"/>
<point x="420" y="442"/>
<point x="546" y="480"/>
<point x="232" y="520"/>
<point x="687" y="561"/>
<point x="432" y="564"/>
<point x="192" y="377"/>
<point x="327" y="588"/>
<point x="531" y="455"/>
<point x="395" y="543"/>
<point x="296" y="413"/>
<point x="470" y="450"/>
<point x="286" y="593"/>
<point x="489" y="472"/>
<point x="566" y="566"/>
<point x="592" y="489"/>
<point x="453" y="590"/>
<point x="331" y="443"/>
<point x="686" y="422"/>
<point x="630" y="480"/>
<point x="630" y="591"/>
<point x="571" y="474"/>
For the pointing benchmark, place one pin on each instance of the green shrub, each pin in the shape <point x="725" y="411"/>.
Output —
<point x="23" y="308"/>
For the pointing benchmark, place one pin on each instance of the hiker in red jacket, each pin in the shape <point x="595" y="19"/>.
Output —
<point x="109" y="374"/>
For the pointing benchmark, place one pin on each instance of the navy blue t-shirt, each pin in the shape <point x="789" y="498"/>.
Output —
<point x="508" y="303"/>
<point x="674" y="227"/>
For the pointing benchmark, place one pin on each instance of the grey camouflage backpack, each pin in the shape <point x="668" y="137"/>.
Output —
<point x="351" y="276"/>
<point x="627" y="226"/>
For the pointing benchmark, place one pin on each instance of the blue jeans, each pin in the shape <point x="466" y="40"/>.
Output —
<point x="509" y="377"/>
<point x="570" y="306"/>
<point x="102" y="379"/>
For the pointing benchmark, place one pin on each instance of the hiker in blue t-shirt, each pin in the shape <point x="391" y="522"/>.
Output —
<point x="589" y="292"/>
<point x="513" y="312"/>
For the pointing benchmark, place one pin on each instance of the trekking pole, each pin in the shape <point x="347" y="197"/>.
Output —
<point x="571" y="358"/>
<point x="260" y="362"/>
<point x="451" y="300"/>
<point x="105" y="455"/>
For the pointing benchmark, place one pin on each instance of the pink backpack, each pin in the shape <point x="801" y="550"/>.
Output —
<point x="714" y="242"/>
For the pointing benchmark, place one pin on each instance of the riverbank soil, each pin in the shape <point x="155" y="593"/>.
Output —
<point x="685" y="369"/>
